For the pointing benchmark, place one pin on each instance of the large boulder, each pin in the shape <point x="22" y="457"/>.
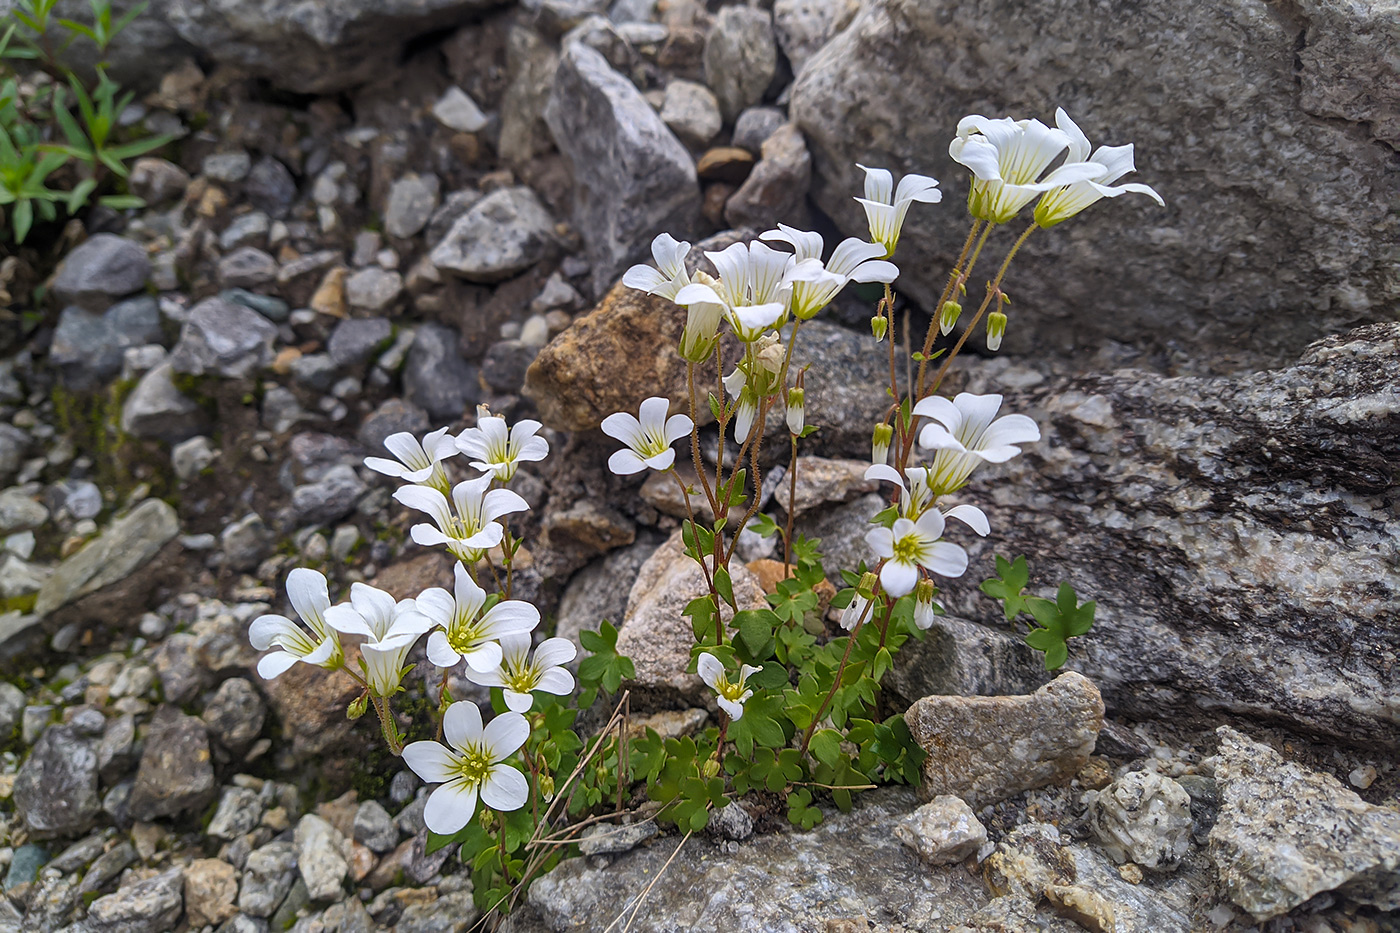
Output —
<point x="1236" y="532"/>
<point x="634" y="177"/>
<point x="1271" y="133"/>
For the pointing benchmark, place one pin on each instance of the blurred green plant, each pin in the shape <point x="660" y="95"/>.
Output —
<point x="59" y="130"/>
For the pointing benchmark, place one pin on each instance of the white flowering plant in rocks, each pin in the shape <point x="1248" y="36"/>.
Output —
<point x="796" y="684"/>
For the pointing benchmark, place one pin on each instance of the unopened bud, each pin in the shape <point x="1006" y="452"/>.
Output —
<point x="796" y="410"/>
<point x="545" y="783"/>
<point x="880" y="443"/>
<point x="710" y="768"/>
<point x="948" y="318"/>
<point x="996" y="327"/>
<point x="866" y="586"/>
<point x="357" y="706"/>
<point x="879" y="325"/>
<point x="923" y="603"/>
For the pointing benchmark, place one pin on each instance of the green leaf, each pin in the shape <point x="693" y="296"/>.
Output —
<point x="1012" y="577"/>
<point x="1059" y="621"/>
<point x="755" y="627"/>
<point x="826" y="746"/>
<point x="23" y="218"/>
<point x="716" y="408"/>
<point x="724" y="586"/>
<point x="763" y="525"/>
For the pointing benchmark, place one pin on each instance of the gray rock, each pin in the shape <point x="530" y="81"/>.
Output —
<point x="108" y="866"/>
<point x="1142" y="817"/>
<point x="79" y="499"/>
<point x="504" y="233"/>
<point x="1203" y="573"/>
<point x="374" y="827"/>
<point x="87" y="349"/>
<point x="730" y="822"/>
<point x="270" y="186"/>
<point x="593" y="594"/>
<point x="270" y="307"/>
<point x="692" y="112"/>
<point x="175" y="774"/>
<point x="412" y="200"/>
<point x="247" y="267"/>
<point x="238" y="813"/>
<point x="504" y="365"/>
<point x="355" y="341"/>
<point x="315" y="371"/>
<point x="1315" y="251"/>
<point x="530" y="62"/>
<point x="11" y="709"/>
<point x="322" y="867"/>
<point x="267" y="877"/>
<point x="942" y="831"/>
<point x="457" y="111"/>
<point x="223" y="339"/>
<point x="634" y="178"/>
<point x="245" y="542"/>
<point x="845" y="867"/>
<point x="611" y="838"/>
<point x="755" y="125"/>
<point x="804" y="26"/>
<point x="14" y="444"/>
<point x="956" y="657"/>
<point x="115" y="752"/>
<point x="149" y="906"/>
<point x="985" y="749"/>
<point x="331" y="497"/>
<point x="25" y="864"/>
<point x="245" y="230"/>
<point x="234" y="717"/>
<point x="1286" y="834"/>
<point x="281" y="410"/>
<point x="741" y="58"/>
<point x="100" y="269"/>
<point x="436" y="377"/>
<point x="20" y="511"/>
<point x="190" y="458"/>
<point x="373" y="289"/>
<point x="157" y="180"/>
<point x="226" y="167"/>
<point x="776" y="190"/>
<point x="392" y="416"/>
<point x="55" y="792"/>
<point x="126" y="545"/>
<point x="156" y="409"/>
<point x="453" y="208"/>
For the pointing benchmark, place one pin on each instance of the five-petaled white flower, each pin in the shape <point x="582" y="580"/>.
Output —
<point x="853" y="260"/>
<point x="416" y="463"/>
<point x="471" y="765"/>
<point x="390" y="628"/>
<point x="1007" y="158"/>
<point x="965" y="432"/>
<point x="499" y="450"/>
<point x="321" y="646"/>
<point x="754" y="286"/>
<point x="1060" y="204"/>
<point x="886" y="206"/>
<point x="918" y="497"/>
<point x="467" y="632"/>
<point x="648" y="438"/>
<point x="669" y="276"/>
<point x="731" y="694"/>
<point x="468" y="524"/>
<point x="910" y="545"/>
<point x="520" y="675"/>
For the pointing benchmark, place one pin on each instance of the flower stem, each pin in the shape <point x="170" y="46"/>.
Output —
<point x="757" y="436"/>
<point x="840" y="669"/>
<point x="792" y="508"/>
<point x="695" y="443"/>
<point x="956" y="276"/>
<point x="386" y="724"/>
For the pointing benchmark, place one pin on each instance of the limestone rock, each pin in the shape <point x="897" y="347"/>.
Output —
<point x="56" y="790"/>
<point x="1313" y="246"/>
<point x="225" y="339"/>
<point x="657" y="637"/>
<point x="1175" y="504"/>
<point x="99" y="270"/>
<point x="822" y="481"/>
<point x="506" y="232"/>
<point x="776" y="190"/>
<point x="87" y="349"/>
<point x="984" y="749"/>
<point x="176" y="773"/>
<point x="691" y="111"/>
<point x="147" y="906"/>
<point x="118" y="552"/>
<point x="633" y="178"/>
<point x="804" y="26"/>
<point x="211" y="887"/>
<point x="319" y="858"/>
<point x="741" y="57"/>
<point x="1142" y="817"/>
<point x="942" y="831"/>
<point x="157" y="409"/>
<point x="1286" y="833"/>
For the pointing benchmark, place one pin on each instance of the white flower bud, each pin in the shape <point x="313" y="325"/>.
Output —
<point x="948" y="317"/>
<point x="880" y="443"/>
<point x="924" y="606"/>
<point x="796" y="410"/>
<point x="996" y="327"/>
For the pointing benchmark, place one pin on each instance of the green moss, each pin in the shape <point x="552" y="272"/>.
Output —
<point x="21" y="603"/>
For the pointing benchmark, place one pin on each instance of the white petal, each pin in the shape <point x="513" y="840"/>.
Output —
<point x="710" y="669"/>
<point x="437" y="604"/>
<point x="406" y="448"/>
<point x="500" y="502"/>
<point x="427" y="535"/>
<point x="696" y="293"/>
<point x="509" y="617"/>
<point x="553" y="652"/>
<point x="661" y="461"/>
<point x="450" y="807"/>
<point x="677" y="426"/>
<point x="505" y="734"/>
<point x="425" y="499"/>
<point x="461" y="724"/>
<point x="265" y="629"/>
<point x="929" y="525"/>
<point x="306" y="589"/>
<point x="941" y="410"/>
<point x="387" y="467"/>
<point x="516" y="701"/>
<point x="505" y="789"/>
<point x="920" y="188"/>
<point x="971" y="516"/>
<point x="899" y="578"/>
<point x="879" y="184"/>
<point x="643" y="278"/>
<point x="1010" y="429"/>
<point x="624" y="427"/>
<point x="946" y="559"/>
<point x="652" y="414"/>
<point x="344" y="618"/>
<point x="625" y="462"/>
<point x="484" y="657"/>
<point x="432" y="762"/>
<point x="881" y="542"/>
<point x="440" y="652"/>
<point x="556" y="680"/>
<point x="274" y="664"/>
<point x="734" y="710"/>
<point x="885" y="472"/>
<point x="491" y="678"/>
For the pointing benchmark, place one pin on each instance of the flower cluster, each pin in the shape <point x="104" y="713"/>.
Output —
<point x="490" y="633"/>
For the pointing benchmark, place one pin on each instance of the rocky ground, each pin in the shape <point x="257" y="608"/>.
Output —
<point x="377" y="218"/>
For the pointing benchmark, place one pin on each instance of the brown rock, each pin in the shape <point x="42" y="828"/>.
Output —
<point x="330" y="294"/>
<point x="725" y="163"/>
<point x="776" y="190"/>
<point x="176" y="773"/>
<point x="407" y="578"/>
<point x="211" y="887"/>
<point x="985" y="749"/>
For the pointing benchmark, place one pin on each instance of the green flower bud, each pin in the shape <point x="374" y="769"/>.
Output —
<point x="880" y="443"/>
<point x="866" y="586"/>
<point x="879" y="325"/>
<point x="710" y="768"/>
<point x="357" y="706"/>
<point x="996" y="327"/>
<point x="948" y="318"/>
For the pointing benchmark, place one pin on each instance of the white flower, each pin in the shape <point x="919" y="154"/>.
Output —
<point x="648" y="438"/>
<point x="731" y="694"/>
<point x="852" y="261"/>
<point x="467" y="632"/>
<point x="670" y="256"/>
<point x="499" y="450"/>
<point x="754" y="286"/>
<point x="520" y="677"/>
<point x="321" y="646"/>
<point x="910" y="545"/>
<point x="416" y="463"/>
<point x="390" y="628"/>
<point x="471" y="529"/>
<point x="1060" y="204"/>
<point x="746" y="409"/>
<point x="853" y="612"/>
<point x="1007" y="158"/>
<point x="472" y="764"/>
<point x="968" y="432"/>
<point x="918" y="496"/>
<point x="885" y="205"/>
